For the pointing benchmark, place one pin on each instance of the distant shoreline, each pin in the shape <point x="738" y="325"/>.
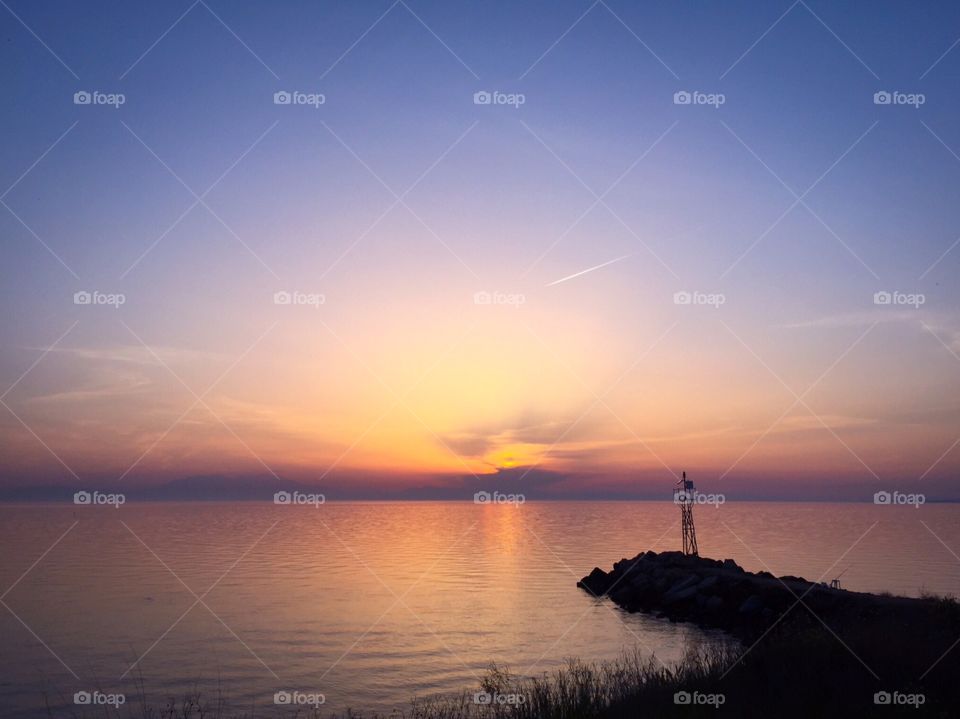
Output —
<point x="403" y="500"/>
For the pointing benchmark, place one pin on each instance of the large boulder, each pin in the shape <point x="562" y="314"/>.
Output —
<point x="597" y="582"/>
<point x="751" y="605"/>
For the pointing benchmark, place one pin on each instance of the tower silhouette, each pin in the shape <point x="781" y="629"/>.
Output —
<point x="683" y="494"/>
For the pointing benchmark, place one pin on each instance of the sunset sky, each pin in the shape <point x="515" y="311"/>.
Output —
<point x="398" y="199"/>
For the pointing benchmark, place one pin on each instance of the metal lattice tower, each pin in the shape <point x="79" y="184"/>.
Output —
<point x="683" y="495"/>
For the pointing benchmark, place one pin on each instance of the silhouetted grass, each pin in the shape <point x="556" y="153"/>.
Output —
<point x="801" y="668"/>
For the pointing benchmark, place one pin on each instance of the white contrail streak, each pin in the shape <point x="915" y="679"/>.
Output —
<point x="583" y="272"/>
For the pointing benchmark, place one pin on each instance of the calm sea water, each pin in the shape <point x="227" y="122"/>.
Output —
<point x="372" y="603"/>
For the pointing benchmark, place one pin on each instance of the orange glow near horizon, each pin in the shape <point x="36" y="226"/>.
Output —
<point x="442" y="400"/>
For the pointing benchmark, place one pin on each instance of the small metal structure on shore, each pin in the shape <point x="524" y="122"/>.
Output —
<point x="684" y="495"/>
<point x="835" y="582"/>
